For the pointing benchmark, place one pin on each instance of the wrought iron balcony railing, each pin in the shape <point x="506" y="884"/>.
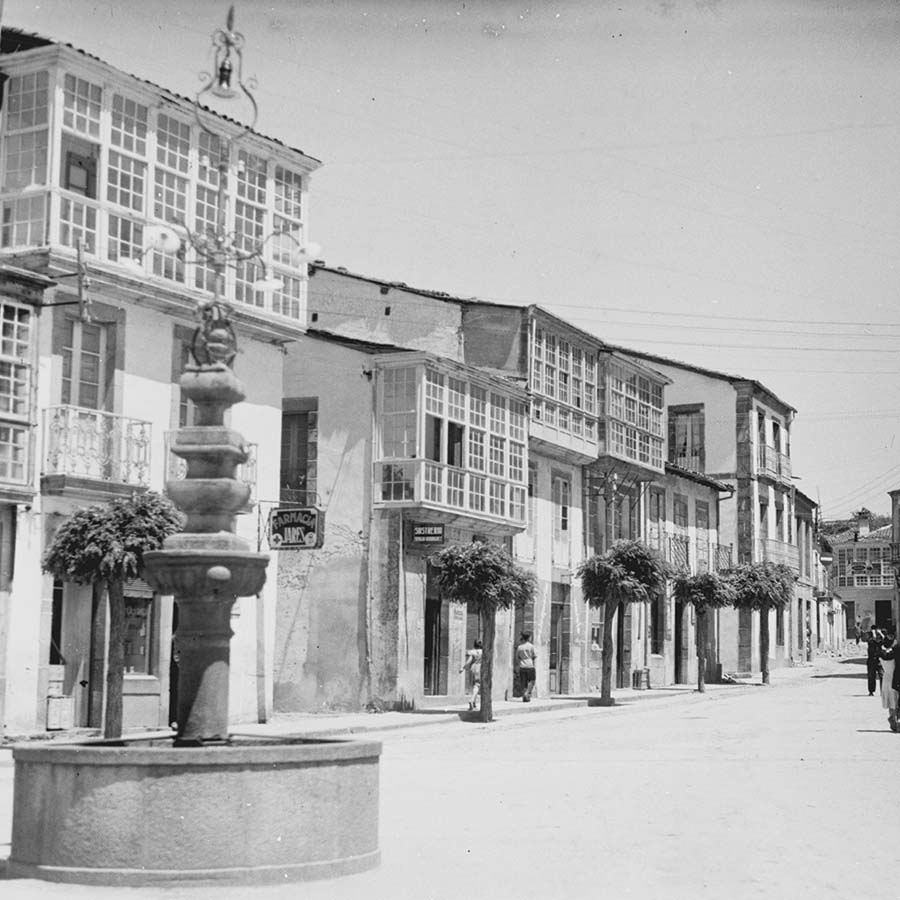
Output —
<point x="90" y="443"/>
<point x="723" y="556"/>
<point x="778" y="552"/>
<point x="689" y="461"/>
<point x="689" y="555"/>
<point x="773" y="464"/>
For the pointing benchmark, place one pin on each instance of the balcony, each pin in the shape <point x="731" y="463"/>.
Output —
<point x="688" y="555"/>
<point x="176" y="469"/>
<point x="722" y="554"/>
<point x="689" y="461"/>
<point x="94" y="452"/>
<point x="679" y="553"/>
<point x="778" y="552"/>
<point x="424" y="484"/>
<point x="773" y="464"/>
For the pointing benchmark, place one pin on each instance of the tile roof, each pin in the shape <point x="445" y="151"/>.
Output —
<point x="849" y="536"/>
<point x="712" y="373"/>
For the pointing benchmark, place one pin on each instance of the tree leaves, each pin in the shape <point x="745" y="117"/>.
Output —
<point x="761" y="585"/>
<point x="107" y="542"/>
<point x="483" y="575"/>
<point x="705" y="590"/>
<point x="628" y="571"/>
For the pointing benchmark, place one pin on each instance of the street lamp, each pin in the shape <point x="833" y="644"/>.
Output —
<point x="215" y="341"/>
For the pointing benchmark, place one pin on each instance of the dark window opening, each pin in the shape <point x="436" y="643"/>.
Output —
<point x="56" y="657"/>
<point x="299" y="451"/>
<point x="433" y="430"/>
<point x="455" y="439"/>
<point x="79" y="166"/>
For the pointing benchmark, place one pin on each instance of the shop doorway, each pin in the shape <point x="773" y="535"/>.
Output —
<point x="623" y="646"/>
<point x="437" y="645"/>
<point x="173" y="670"/>
<point x="560" y="638"/>
<point x="678" y="643"/>
<point x="883" y="615"/>
<point x="745" y="640"/>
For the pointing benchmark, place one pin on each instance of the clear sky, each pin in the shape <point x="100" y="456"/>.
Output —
<point x="717" y="182"/>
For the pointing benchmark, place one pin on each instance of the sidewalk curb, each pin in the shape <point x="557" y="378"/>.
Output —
<point x="304" y="725"/>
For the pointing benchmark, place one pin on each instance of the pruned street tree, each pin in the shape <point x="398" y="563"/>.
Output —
<point x="762" y="586"/>
<point x="705" y="591"/>
<point x="103" y="545"/>
<point x="485" y="577"/>
<point x="629" y="572"/>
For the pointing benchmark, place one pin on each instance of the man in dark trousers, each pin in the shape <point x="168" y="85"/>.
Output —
<point x="525" y="657"/>
<point x="873" y="662"/>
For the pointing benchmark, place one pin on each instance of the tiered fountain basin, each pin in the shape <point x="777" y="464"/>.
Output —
<point x="249" y="810"/>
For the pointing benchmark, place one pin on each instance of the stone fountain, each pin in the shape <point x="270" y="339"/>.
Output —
<point x="201" y="804"/>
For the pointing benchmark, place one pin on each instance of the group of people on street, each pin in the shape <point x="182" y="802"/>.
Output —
<point x="524" y="664"/>
<point x="883" y="650"/>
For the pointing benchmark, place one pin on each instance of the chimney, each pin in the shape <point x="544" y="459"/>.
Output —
<point x="862" y="522"/>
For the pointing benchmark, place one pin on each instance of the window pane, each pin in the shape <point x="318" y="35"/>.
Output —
<point x="26" y="101"/>
<point x="137" y="635"/>
<point x="26" y="160"/>
<point x="125" y="181"/>
<point x="288" y="193"/>
<point x="173" y="143"/>
<point x="129" y="125"/>
<point x="81" y="106"/>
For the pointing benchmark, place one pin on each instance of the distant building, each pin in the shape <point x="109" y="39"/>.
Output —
<point x="862" y="574"/>
<point x="735" y="430"/>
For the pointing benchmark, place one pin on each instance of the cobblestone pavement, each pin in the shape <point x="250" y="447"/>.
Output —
<point x="743" y="792"/>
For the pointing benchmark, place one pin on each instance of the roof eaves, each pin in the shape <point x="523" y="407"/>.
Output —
<point x="24" y="41"/>
<point x="701" y="370"/>
<point x="699" y="477"/>
<point x="397" y="285"/>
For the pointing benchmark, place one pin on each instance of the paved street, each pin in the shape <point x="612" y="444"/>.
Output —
<point x="744" y="792"/>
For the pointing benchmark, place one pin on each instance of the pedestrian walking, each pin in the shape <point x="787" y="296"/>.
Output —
<point x="857" y="632"/>
<point x="889" y="690"/>
<point x="473" y="664"/>
<point x="525" y="665"/>
<point x="873" y="659"/>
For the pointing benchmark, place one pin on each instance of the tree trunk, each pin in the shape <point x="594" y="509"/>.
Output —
<point x="701" y="649"/>
<point x="115" y="666"/>
<point x="764" y="642"/>
<point x="98" y="654"/>
<point x="610" y="607"/>
<point x="488" y="630"/>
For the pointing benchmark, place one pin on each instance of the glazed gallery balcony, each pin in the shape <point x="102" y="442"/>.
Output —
<point x="423" y="483"/>
<point x="90" y="451"/>
<point x="451" y="441"/>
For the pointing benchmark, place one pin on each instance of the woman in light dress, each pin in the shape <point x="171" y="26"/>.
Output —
<point x="473" y="664"/>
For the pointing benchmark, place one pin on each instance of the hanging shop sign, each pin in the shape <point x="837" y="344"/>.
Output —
<point x="424" y="533"/>
<point x="297" y="528"/>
